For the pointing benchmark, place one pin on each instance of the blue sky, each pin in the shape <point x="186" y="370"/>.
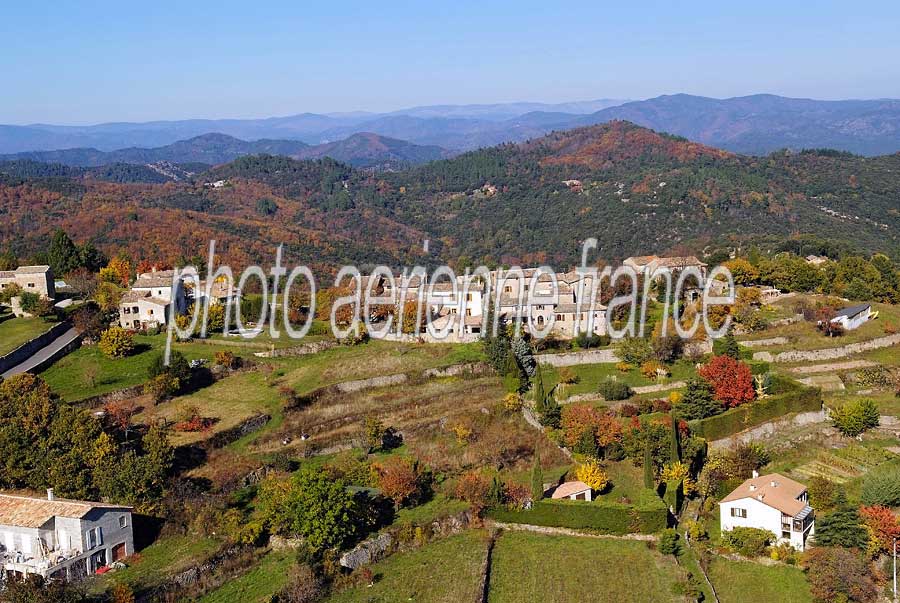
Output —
<point x="88" y="62"/>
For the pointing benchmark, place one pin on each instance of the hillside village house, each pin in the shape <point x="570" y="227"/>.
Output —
<point x="853" y="317"/>
<point x="57" y="538"/>
<point x="146" y="305"/>
<point x="34" y="279"/>
<point x="444" y="307"/>
<point x="770" y="502"/>
<point x="573" y="491"/>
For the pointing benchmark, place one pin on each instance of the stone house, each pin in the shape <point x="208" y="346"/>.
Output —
<point x="58" y="538"/>
<point x="147" y="304"/>
<point x="33" y="279"/>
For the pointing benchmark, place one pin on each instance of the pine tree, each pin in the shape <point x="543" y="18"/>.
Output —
<point x="540" y="397"/>
<point x="63" y="255"/>
<point x="649" y="482"/>
<point x="842" y="527"/>
<point x="699" y="401"/>
<point x="537" y="478"/>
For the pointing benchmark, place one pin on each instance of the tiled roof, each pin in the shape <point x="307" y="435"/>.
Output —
<point x="28" y="512"/>
<point x="782" y="495"/>
<point x="641" y="260"/>
<point x="569" y="488"/>
<point x="680" y="262"/>
<point x="136" y="296"/>
<point x="7" y="274"/>
<point x="32" y="269"/>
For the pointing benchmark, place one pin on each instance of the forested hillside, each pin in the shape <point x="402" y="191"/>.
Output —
<point x="633" y="189"/>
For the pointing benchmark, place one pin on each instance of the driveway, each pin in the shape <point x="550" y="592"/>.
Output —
<point x="43" y="354"/>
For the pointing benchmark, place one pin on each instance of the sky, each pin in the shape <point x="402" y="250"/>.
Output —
<point x="90" y="62"/>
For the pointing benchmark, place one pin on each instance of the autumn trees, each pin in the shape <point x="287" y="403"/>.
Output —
<point x="731" y="380"/>
<point x="47" y="444"/>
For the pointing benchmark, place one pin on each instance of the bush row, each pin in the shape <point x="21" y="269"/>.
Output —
<point x="647" y="516"/>
<point x="787" y="398"/>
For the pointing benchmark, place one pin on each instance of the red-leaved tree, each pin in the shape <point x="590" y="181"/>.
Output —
<point x="884" y="526"/>
<point x="731" y="380"/>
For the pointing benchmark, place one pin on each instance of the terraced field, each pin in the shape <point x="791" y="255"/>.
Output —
<point x="844" y="464"/>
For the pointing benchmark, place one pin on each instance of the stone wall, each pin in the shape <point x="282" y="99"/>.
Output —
<point x="29" y="348"/>
<point x="769" y="430"/>
<point x="604" y="356"/>
<point x="828" y="353"/>
<point x="313" y="347"/>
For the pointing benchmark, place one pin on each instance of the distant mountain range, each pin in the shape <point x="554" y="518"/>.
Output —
<point x="755" y="125"/>
<point x="637" y="191"/>
<point x="363" y="150"/>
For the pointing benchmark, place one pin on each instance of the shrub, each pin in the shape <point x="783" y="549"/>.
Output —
<point x="698" y="401"/>
<point x="162" y="387"/>
<point x="787" y="398"/>
<point x="624" y="367"/>
<point x="116" y="342"/>
<point x="875" y="376"/>
<point x="592" y="474"/>
<point x="227" y="359"/>
<point x="613" y="389"/>
<point x="648" y="515"/>
<point x="567" y="376"/>
<point x="696" y="530"/>
<point x="652" y="369"/>
<point x="635" y="350"/>
<point x="854" y="417"/>
<point x="748" y="542"/>
<point x="837" y="574"/>
<point x="668" y="542"/>
<point x="881" y="486"/>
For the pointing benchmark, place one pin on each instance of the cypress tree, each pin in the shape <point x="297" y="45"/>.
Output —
<point x="537" y="478"/>
<point x="675" y="452"/>
<point x="649" y="483"/>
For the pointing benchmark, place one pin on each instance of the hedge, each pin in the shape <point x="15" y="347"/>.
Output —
<point x="787" y="398"/>
<point x="674" y="495"/>
<point x="647" y="516"/>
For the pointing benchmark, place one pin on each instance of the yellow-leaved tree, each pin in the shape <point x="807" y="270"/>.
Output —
<point x="592" y="474"/>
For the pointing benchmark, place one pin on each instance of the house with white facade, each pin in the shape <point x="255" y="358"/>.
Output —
<point x="853" y="317"/>
<point x="147" y="304"/>
<point x="61" y="539"/>
<point x="770" y="502"/>
<point x="575" y="490"/>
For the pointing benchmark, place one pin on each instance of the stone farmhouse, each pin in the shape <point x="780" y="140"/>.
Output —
<point x="770" y="502"/>
<point x="57" y="538"/>
<point x="33" y="279"/>
<point x="147" y="304"/>
<point x="510" y="296"/>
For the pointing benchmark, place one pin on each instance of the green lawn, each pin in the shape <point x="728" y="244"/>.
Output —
<point x="626" y="481"/>
<point x="804" y="336"/>
<point x="437" y="507"/>
<point x="228" y="401"/>
<point x="748" y="582"/>
<point x="591" y="375"/>
<point x="530" y="567"/>
<point x="375" y="358"/>
<point x="445" y="571"/>
<point x="67" y="377"/>
<point x="258" y="584"/>
<point x="160" y="561"/>
<point x="16" y="331"/>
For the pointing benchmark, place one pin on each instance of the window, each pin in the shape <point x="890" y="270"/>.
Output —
<point x="150" y="311"/>
<point x="127" y="310"/>
<point x="785" y="534"/>
<point x="94" y="538"/>
<point x="31" y="285"/>
<point x="742" y="513"/>
<point x="468" y="312"/>
<point x="123" y="521"/>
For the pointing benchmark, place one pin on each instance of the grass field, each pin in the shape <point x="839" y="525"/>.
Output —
<point x="269" y="576"/>
<point x="804" y="336"/>
<point x="530" y="567"/>
<point x="67" y="376"/>
<point x="159" y="561"/>
<point x="446" y="571"/>
<point x="591" y="375"/>
<point x="747" y="582"/>
<point x="228" y="401"/>
<point x="16" y="331"/>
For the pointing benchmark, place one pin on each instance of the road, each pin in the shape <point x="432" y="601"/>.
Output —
<point x="43" y="354"/>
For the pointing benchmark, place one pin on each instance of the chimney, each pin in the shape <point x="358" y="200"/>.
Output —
<point x="755" y="474"/>
<point x="752" y="487"/>
<point x="50" y="495"/>
<point x="773" y="483"/>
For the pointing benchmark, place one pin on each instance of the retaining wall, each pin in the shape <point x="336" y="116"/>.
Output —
<point x="30" y="348"/>
<point x="829" y="353"/>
